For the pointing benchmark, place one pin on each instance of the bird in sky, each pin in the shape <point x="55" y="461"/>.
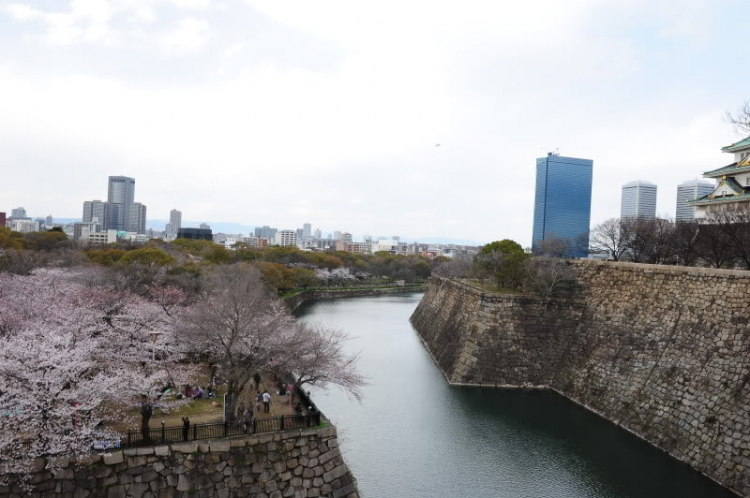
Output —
<point x="437" y="145"/>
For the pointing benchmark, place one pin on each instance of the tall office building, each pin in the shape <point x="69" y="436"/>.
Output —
<point x="307" y="230"/>
<point x="120" y="196"/>
<point x="136" y="218"/>
<point x="638" y="200"/>
<point x="19" y="213"/>
<point x="318" y="233"/>
<point x="175" y="221"/>
<point x="95" y="211"/>
<point x="562" y="204"/>
<point x="689" y="191"/>
<point x="336" y="235"/>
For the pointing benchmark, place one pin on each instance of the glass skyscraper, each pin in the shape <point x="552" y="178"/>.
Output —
<point x="562" y="205"/>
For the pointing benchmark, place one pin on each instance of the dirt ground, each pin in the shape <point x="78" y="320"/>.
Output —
<point x="206" y="411"/>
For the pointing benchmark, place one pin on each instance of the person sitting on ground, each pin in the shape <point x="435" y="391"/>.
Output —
<point x="197" y="393"/>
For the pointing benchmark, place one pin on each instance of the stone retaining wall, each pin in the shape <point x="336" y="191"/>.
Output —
<point x="662" y="351"/>
<point x="297" y="464"/>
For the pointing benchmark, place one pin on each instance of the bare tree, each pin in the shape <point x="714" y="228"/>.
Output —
<point x="243" y="329"/>
<point x="458" y="267"/>
<point x="609" y="237"/>
<point x="640" y="237"/>
<point x="741" y="119"/>
<point x="553" y="247"/>
<point x="713" y="246"/>
<point x="548" y="277"/>
<point x="685" y="241"/>
<point x="660" y="248"/>
<point x="735" y="225"/>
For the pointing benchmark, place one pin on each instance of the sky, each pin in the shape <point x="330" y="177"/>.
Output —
<point x="276" y="112"/>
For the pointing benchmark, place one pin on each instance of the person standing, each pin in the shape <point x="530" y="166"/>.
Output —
<point x="256" y="378"/>
<point x="266" y="402"/>
<point x="258" y="401"/>
<point x="185" y="428"/>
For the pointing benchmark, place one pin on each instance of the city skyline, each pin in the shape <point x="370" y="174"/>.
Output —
<point x="315" y="104"/>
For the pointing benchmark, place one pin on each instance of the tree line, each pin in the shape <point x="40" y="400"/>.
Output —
<point x="720" y="240"/>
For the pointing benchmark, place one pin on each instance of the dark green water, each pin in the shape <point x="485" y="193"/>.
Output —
<point x="415" y="436"/>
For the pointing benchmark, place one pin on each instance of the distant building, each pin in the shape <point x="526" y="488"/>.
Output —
<point x="24" y="225"/>
<point x="49" y="221"/>
<point x="137" y="218"/>
<point x="638" y="200"/>
<point x="346" y="237"/>
<point x="204" y="226"/>
<point x="732" y="191"/>
<point x="251" y="241"/>
<point x="307" y="230"/>
<point x="687" y="192"/>
<point x="3" y="221"/>
<point x="95" y="211"/>
<point x="562" y="204"/>
<point x="120" y="196"/>
<point x="195" y="233"/>
<point x="265" y="232"/>
<point x="286" y="238"/>
<point x="175" y="221"/>
<point x="82" y="229"/>
<point x="19" y="213"/>
<point x="318" y="233"/>
<point x="102" y="238"/>
<point x="337" y="235"/>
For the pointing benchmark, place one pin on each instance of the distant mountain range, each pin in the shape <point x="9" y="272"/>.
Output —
<point x="239" y="228"/>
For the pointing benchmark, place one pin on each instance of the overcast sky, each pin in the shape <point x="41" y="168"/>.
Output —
<point x="284" y="112"/>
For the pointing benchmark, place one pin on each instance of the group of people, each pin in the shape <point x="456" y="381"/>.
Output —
<point x="197" y="393"/>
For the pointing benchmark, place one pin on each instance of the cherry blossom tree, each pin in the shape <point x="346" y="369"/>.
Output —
<point x="75" y="354"/>
<point x="244" y="329"/>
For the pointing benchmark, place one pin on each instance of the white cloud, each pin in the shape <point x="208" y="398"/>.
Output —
<point x="188" y="36"/>
<point x="192" y="4"/>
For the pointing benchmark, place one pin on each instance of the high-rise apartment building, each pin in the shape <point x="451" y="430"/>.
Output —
<point x="175" y="221"/>
<point x="638" y="200"/>
<point x="688" y="191"/>
<point x="562" y="204"/>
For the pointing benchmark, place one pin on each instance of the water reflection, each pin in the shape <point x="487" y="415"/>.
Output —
<point x="416" y="436"/>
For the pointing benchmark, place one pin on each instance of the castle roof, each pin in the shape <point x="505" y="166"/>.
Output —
<point x="742" y="144"/>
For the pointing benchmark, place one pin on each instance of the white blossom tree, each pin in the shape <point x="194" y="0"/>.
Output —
<point x="244" y="329"/>
<point x="73" y="355"/>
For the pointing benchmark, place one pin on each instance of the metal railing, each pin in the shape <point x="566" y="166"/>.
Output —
<point x="166" y="435"/>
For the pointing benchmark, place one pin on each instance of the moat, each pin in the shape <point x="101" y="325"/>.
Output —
<point x="416" y="436"/>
